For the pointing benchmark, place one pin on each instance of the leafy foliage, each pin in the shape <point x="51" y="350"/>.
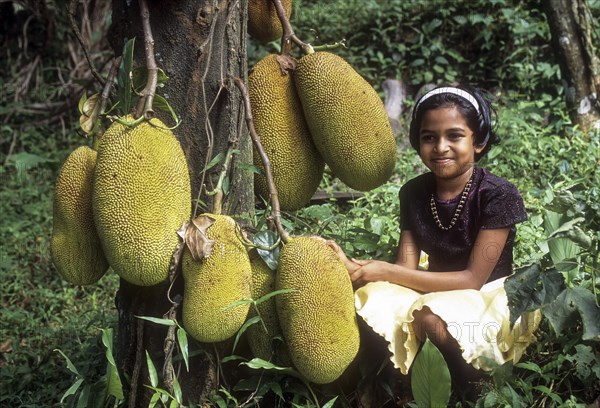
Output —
<point x="501" y="44"/>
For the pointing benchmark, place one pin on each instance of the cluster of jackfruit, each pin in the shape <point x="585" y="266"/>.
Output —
<point x="121" y="206"/>
<point x="322" y="111"/>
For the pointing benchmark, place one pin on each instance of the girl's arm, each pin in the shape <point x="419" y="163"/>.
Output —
<point x="408" y="251"/>
<point x="484" y="256"/>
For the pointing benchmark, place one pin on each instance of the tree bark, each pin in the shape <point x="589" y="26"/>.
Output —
<point x="570" y="24"/>
<point x="198" y="44"/>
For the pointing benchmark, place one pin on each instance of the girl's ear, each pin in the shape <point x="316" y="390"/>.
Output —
<point x="479" y="148"/>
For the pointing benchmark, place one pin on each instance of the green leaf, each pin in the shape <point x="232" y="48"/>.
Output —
<point x="163" y="322"/>
<point x="219" y="158"/>
<point x="182" y="340"/>
<point x="108" y="343"/>
<point x="124" y="88"/>
<point x="561" y="249"/>
<point x="161" y="104"/>
<point x="430" y="380"/>
<point x="238" y="303"/>
<point x="242" y="329"/>
<point x="70" y="365"/>
<point x="587" y="363"/>
<point x="177" y="391"/>
<point x="151" y="371"/>
<point x="114" y="386"/>
<point x="566" y="226"/>
<point x="549" y="393"/>
<point x="330" y="403"/>
<point x="231" y="358"/>
<point x="571" y="304"/>
<point x="72" y="389"/>
<point x="84" y="397"/>
<point x="274" y="293"/>
<point x="268" y="239"/>
<point x="529" y="288"/>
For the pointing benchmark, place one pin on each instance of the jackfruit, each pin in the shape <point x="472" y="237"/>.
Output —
<point x="296" y="164"/>
<point x="216" y="282"/>
<point x="347" y="120"/>
<point x="263" y="22"/>
<point x="261" y="335"/>
<point x="75" y="247"/>
<point x="318" y="320"/>
<point x="142" y="196"/>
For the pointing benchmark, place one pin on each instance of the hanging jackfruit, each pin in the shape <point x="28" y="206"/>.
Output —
<point x="261" y="335"/>
<point x="215" y="282"/>
<point x="263" y="22"/>
<point x="75" y="246"/>
<point x="142" y="196"/>
<point x="296" y="164"/>
<point x="318" y="321"/>
<point x="347" y="120"/>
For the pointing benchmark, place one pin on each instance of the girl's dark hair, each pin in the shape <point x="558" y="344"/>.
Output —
<point x="482" y="123"/>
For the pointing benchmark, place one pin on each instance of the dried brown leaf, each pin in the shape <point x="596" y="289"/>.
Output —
<point x="197" y="240"/>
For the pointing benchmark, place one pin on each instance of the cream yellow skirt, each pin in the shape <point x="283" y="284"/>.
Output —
<point x="477" y="319"/>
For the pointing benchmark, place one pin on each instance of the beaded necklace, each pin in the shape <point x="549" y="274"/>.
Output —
<point x="459" y="207"/>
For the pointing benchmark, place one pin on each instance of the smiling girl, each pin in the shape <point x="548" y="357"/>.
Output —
<point x="463" y="217"/>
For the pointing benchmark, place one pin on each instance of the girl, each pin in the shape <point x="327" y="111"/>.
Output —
<point x="464" y="218"/>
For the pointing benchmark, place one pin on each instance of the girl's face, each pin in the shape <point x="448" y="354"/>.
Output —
<point x="446" y="143"/>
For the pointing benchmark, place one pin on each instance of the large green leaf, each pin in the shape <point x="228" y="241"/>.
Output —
<point x="113" y="381"/>
<point x="530" y="287"/>
<point x="563" y="251"/>
<point x="430" y="380"/>
<point x="571" y="304"/>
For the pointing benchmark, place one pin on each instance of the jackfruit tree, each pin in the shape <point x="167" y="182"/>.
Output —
<point x="196" y="45"/>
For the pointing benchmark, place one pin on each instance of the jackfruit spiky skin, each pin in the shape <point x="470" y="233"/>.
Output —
<point x="261" y="334"/>
<point x="75" y="247"/>
<point x="215" y="282"/>
<point x="142" y="196"/>
<point x="296" y="165"/>
<point x="263" y="22"/>
<point x="347" y="120"/>
<point x="319" y="320"/>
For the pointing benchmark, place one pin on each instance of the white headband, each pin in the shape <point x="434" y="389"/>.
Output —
<point x="452" y="90"/>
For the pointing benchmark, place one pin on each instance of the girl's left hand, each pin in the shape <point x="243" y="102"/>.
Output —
<point x="369" y="271"/>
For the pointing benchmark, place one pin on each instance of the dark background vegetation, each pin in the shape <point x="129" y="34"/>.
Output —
<point x="502" y="46"/>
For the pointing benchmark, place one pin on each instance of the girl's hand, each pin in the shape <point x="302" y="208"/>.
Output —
<point x="368" y="271"/>
<point x="350" y="266"/>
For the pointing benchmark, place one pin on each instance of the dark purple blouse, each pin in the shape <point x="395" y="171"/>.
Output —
<point x="493" y="202"/>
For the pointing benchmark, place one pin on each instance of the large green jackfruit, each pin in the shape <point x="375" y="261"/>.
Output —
<point x="263" y="22"/>
<point x="261" y="335"/>
<point x="296" y="164"/>
<point x="318" y="321"/>
<point x="347" y="120"/>
<point x="216" y="282"/>
<point x="142" y="196"/>
<point x="75" y="246"/>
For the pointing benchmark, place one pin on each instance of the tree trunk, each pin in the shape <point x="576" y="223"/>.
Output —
<point x="198" y="44"/>
<point x="570" y="24"/>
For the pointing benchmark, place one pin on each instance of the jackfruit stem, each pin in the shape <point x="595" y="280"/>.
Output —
<point x="217" y="204"/>
<point x="273" y="197"/>
<point x="144" y="106"/>
<point x="104" y="97"/>
<point x="288" y="37"/>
